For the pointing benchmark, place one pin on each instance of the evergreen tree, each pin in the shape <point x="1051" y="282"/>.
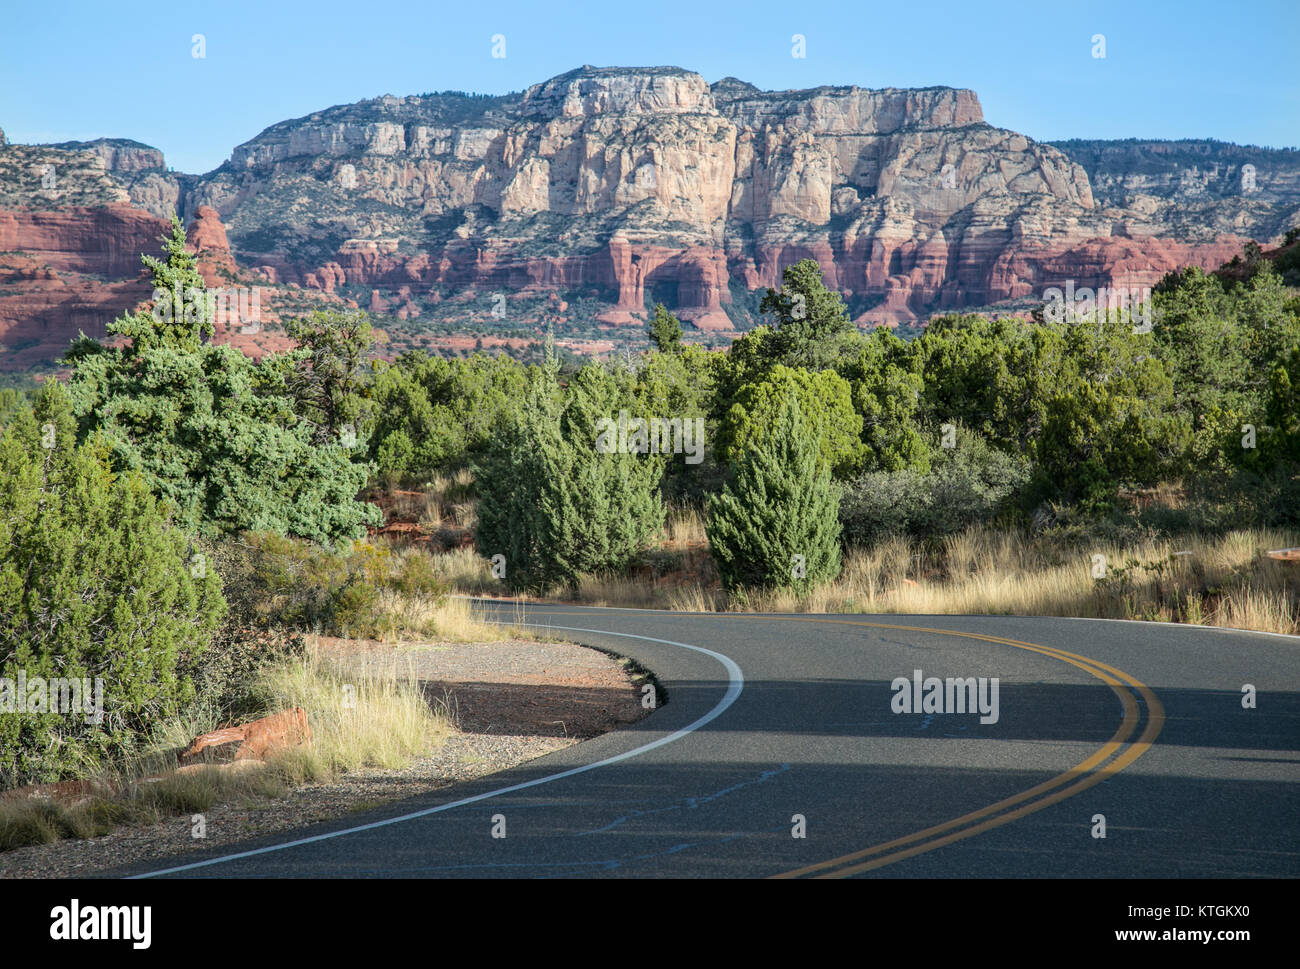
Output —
<point x="436" y="415"/>
<point x="94" y="582"/>
<point x="811" y="324"/>
<point x="1283" y="411"/>
<point x="825" y="401"/>
<point x="552" y="503"/>
<point x="777" y="524"/>
<point x="210" y="430"/>
<point x="665" y="331"/>
<point x="328" y="379"/>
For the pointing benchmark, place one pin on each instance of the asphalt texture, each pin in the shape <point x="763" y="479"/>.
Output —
<point x="777" y="751"/>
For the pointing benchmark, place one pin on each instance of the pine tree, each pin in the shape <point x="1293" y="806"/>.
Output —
<point x="330" y="370"/>
<point x="777" y="524"/>
<point x="811" y="323"/>
<point x="665" y="331"/>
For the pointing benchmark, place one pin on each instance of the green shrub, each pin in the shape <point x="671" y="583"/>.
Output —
<point x="210" y="429"/>
<point x="94" y="583"/>
<point x="968" y="484"/>
<point x="284" y="584"/>
<point x="551" y="501"/>
<point x="776" y="525"/>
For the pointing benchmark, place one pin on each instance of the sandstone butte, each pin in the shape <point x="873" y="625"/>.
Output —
<point x="624" y="186"/>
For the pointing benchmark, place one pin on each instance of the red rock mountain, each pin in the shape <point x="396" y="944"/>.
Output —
<point x="587" y="197"/>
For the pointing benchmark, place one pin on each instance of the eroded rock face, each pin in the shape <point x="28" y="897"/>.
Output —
<point x="622" y="187"/>
<point x="632" y="180"/>
<point x="119" y="154"/>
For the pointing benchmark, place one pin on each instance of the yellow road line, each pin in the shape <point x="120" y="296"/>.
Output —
<point x="1080" y="777"/>
<point x="1155" y="722"/>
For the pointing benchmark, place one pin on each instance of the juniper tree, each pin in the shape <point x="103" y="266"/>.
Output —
<point x="811" y="325"/>
<point x="776" y="524"/>
<point x="210" y="430"/>
<point x="330" y="372"/>
<point x="94" y="583"/>
<point x="665" y="331"/>
<point x="553" y="504"/>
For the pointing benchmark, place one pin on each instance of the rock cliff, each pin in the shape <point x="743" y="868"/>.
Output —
<point x="604" y="190"/>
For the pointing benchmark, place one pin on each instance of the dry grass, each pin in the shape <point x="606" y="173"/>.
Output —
<point x="466" y="572"/>
<point x="684" y="528"/>
<point x="1223" y="580"/>
<point x="449" y="619"/>
<point x="380" y="720"/>
<point x="447" y="502"/>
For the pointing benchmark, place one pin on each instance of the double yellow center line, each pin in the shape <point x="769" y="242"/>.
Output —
<point x="1109" y="759"/>
<point x="1101" y="764"/>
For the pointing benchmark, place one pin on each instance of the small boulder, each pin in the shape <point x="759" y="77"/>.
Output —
<point x="251" y="741"/>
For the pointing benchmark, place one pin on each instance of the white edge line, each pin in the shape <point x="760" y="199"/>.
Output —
<point x="736" y="683"/>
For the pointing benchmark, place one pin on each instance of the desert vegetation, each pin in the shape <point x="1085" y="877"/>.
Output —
<point x="177" y="517"/>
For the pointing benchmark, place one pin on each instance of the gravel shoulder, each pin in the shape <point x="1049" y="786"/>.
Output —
<point x="510" y="702"/>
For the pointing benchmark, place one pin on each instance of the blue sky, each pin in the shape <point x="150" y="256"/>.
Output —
<point x="73" y="70"/>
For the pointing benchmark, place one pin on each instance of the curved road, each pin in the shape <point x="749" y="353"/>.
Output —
<point x="782" y="725"/>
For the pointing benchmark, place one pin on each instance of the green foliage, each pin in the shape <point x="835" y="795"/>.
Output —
<point x="665" y="331"/>
<point x="211" y="431"/>
<point x="329" y="373"/>
<point x="683" y="385"/>
<point x="1108" y="417"/>
<point x="436" y="415"/>
<point x="776" y="525"/>
<point x="824" y="398"/>
<point x="887" y="396"/>
<point x="291" y="584"/>
<point x="989" y="375"/>
<point x="553" y="504"/>
<point x="1283" y="441"/>
<point x="968" y="484"/>
<point x="94" y="582"/>
<point x="811" y="323"/>
<point x="1205" y="352"/>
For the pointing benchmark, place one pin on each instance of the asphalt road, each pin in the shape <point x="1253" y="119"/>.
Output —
<point x="773" y="719"/>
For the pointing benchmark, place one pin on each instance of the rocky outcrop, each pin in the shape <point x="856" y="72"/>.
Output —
<point x="119" y="155"/>
<point x="1195" y="190"/>
<point x="207" y="237"/>
<point x="251" y="741"/>
<point x="650" y="181"/>
<point x="609" y="189"/>
<point x="105" y="241"/>
<point x="73" y="270"/>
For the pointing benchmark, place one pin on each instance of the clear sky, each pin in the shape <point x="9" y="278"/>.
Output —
<point x="72" y="70"/>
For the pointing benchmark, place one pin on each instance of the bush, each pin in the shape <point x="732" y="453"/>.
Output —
<point x="776" y="525"/>
<point x="282" y="585"/>
<point x="969" y="484"/>
<point x="825" y="401"/>
<point x="210" y="429"/>
<point x="94" y="583"/>
<point x="552" y="502"/>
